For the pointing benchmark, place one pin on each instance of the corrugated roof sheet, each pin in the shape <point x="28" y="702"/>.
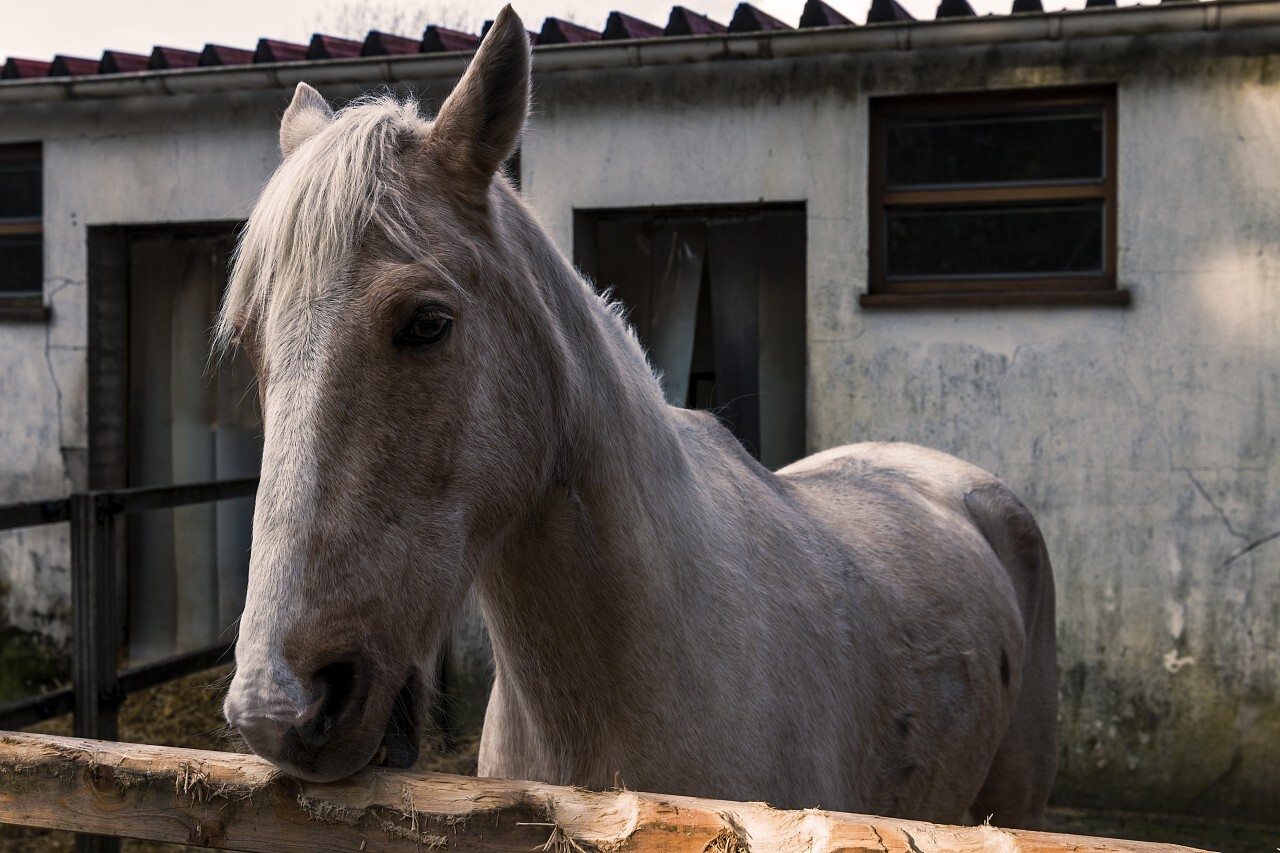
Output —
<point x="434" y="39"/>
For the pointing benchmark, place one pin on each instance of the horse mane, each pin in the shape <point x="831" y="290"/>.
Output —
<point x="347" y="178"/>
<point x="315" y="208"/>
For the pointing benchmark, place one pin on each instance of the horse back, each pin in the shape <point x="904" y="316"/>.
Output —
<point x="957" y="592"/>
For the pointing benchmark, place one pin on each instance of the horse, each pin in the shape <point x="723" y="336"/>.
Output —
<point x="449" y="405"/>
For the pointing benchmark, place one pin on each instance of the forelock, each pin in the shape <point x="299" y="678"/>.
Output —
<point x="315" y="209"/>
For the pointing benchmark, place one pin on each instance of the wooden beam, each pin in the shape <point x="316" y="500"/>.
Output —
<point x="240" y="802"/>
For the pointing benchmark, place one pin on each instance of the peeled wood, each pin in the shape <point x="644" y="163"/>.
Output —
<point x="240" y="802"/>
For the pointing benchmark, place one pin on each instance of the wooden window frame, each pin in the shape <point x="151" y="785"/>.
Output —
<point x="977" y="291"/>
<point x="23" y="306"/>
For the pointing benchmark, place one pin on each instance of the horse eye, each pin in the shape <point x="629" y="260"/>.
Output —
<point x="427" y="327"/>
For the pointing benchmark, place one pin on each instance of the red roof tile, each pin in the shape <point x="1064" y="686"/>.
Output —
<point x="438" y="39"/>
<point x="819" y="14"/>
<point x="118" y="62"/>
<point x="332" y="47"/>
<point x="172" y="57"/>
<point x="955" y="9"/>
<point x="21" y="69"/>
<point x="885" y="11"/>
<point x="556" y="31"/>
<point x="271" y="50"/>
<point x="686" y="23"/>
<point x="749" y="19"/>
<point x="682" y="22"/>
<point x="384" y="44"/>
<point x="620" y="26"/>
<point x="217" y="54"/>
<point x="73" y="66"/>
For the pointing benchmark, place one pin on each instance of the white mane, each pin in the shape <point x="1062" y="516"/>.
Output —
<point x="315" y="208"/>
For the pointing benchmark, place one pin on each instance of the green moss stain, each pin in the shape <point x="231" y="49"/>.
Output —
<point x="30" y="663"/>
<point x="1184" y="743"/>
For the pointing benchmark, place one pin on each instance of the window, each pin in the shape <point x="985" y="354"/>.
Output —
<point x="21" y="218"/>
<point x="990" y="198"/>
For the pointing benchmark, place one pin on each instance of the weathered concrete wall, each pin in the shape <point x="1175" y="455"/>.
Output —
<point x="1144" y="438"/>
<point x="109" y="163"/>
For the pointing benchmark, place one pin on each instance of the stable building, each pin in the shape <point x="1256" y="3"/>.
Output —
<point x="1046" y="243"/>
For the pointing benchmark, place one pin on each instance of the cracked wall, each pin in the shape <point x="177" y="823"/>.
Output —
<point x="1145" y="439"/>
<point x="104" y="164"/>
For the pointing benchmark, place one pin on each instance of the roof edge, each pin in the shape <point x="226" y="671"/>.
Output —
<point x="1089" y="23"/>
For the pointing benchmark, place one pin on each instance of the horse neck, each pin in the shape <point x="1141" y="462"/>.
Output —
<point x="585" y="588"/>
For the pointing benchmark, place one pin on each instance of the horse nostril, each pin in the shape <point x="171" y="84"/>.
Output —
<point x="337" y="693"/>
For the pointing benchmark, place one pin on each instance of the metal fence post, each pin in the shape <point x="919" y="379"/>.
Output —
<point x="95" y="640"/>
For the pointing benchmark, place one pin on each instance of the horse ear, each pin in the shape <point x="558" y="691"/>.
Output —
<point x="479" y="124"/>
<point x="307" y="115"/>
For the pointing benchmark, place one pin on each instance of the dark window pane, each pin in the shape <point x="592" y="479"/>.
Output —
<point x="20" y="191"/>
<point x="21" y="265"/>
<point x="1040" y="240"/>
<point x="994" y="147"/>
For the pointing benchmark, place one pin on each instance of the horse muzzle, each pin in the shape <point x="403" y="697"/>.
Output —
<point x="334" y="733"/>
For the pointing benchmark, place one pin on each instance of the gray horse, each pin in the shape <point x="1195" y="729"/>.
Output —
<point x="449" y="405"/>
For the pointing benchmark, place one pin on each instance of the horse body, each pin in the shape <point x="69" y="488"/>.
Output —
<point x="847" y="653"/>
<point x="447" y="404"/>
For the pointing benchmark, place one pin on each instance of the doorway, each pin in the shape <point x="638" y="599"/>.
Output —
<point x="162" y="413"/>
<point x="717" y="298"/>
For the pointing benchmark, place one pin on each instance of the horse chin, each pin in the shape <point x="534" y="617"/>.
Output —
<point x="400" y="742"/>
<point x="336" y="761"/>
<point x="359" y="748"/>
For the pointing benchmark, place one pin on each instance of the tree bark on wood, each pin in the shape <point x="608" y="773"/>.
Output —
<point x="240" y="802"/>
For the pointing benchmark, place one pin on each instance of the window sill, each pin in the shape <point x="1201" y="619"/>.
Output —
<point x="23" y="309"/>
<point x="1067" y="298"/>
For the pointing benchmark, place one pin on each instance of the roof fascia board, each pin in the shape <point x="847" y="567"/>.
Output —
<point x="1094" y="23"/>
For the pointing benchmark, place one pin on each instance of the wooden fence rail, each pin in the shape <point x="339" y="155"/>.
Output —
<point x="240" y="802"/>
<point x="97" y="688"/>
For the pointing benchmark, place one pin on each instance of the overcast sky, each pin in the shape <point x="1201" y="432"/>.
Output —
<point x="38" y="30"/>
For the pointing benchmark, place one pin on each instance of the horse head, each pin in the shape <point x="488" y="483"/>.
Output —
<point x="409" y="375"/>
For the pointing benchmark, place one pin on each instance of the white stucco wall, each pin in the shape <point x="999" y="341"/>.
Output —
<point x="1143" y="438"/>
<point x="104" y="163"/>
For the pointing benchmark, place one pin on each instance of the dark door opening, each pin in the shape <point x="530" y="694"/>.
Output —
<point x="160" y="414"/>
<point x="717" y="297"/>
